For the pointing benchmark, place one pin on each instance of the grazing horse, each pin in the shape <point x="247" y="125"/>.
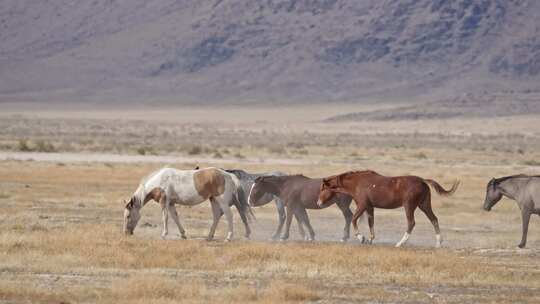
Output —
<point x="246" y="181"/>
<point x="371" y="190"/>
<point x="524" y="189"/>
<point x="169" y="186"/>
<point x="298" y="193"/>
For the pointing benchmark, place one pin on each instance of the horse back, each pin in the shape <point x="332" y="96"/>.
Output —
<point x="209" y="182"/>
<point x="391" y="192"/>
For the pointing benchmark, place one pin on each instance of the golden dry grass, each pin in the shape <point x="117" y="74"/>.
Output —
<point x="60" y="223"/>
<point x="60" y="232"/>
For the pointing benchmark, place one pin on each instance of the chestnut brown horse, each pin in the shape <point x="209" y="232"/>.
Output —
<point x="371" y="190"/>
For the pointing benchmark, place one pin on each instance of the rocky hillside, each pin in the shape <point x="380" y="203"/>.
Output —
<point x="260" y="51"/>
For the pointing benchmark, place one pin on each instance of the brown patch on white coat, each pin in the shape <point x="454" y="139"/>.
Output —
<point x="209" y="182"/>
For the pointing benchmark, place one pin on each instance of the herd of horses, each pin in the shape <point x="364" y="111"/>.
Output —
<point x="293" y="194"/>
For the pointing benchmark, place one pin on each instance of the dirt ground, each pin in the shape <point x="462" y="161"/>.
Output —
<point x="61" y="217"/>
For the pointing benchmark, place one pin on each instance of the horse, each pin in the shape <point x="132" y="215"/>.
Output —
<point x="298" y="193"/>
<point x="246" y="181"/>
<point x="168" y="186"/>
<point x="524" y="189"/>
<point x="371" y="190"/>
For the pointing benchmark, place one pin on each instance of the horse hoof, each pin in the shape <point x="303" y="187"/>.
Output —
<point x="227" y="240"/>
<point x="209" y="239"/>
<point x="183" y="237"/>
<point x="361" y="238"/>
<point x="521" y="246"/>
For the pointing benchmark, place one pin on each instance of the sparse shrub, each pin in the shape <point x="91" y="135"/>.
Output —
<point x="301" y="152"/>
<point x="239" y="155"/>
<point x="420" y="155"/>
<point x="24" y="146"/>
<point x="44" y="146"/>
<point x="195" y="150"/>
<point x="277" y="150"/>
<point x="217" y="155"/>
<point x="531" y="162"/>
<point x="141" y="151"/>
<point x="295" y="145"/>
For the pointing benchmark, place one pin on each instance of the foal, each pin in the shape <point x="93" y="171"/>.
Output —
<point x="371" y="190"/>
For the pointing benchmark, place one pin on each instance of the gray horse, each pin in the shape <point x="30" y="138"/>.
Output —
<point x="246" y="181"/>
<point x="524" y="189"/>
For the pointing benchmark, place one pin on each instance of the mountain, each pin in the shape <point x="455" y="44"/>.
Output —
<point x="267" y="51"/>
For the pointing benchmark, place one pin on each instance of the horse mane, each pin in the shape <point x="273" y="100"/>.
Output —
<point x="504" y="178"/>
<point x="350" y="172"/>
<point x="238" y="173"/>
<point x="140" y="193"/>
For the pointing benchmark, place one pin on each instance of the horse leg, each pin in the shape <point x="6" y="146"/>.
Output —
<point x="224" y="204"/>
<point x="525" y="217"/>
<point x="371" y="223"/>
<point x="288" y="221"/>
<point x="360" y="208"/>
<point x="246" y="224"/>
<point x="426" y="208"/>
<point x="409" y="212"/>
<point x="281" y="217"/>
<point x="303" y="218"/>
<point x="216" y="212"/>
<point x="301" y="224"/>
<point x="347" y="214"/>
<point x="164" y="202"/>
<point x="244" y="219"/>
<point x="174" y="215"/>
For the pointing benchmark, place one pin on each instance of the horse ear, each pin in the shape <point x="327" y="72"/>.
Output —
<point x="129" y="204"/>
<point x="197" y="168"/>
<point x="258" y="179"/>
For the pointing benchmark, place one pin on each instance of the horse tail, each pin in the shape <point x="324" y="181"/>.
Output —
<point x="243" y="204"/>
<point x="440" y="190"/>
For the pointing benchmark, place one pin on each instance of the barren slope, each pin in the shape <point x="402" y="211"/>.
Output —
<point x="227" y="51"/>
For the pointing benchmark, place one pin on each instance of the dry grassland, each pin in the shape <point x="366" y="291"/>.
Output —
<point x="61" y="240"/>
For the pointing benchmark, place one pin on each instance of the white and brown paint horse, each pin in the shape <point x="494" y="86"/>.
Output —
<point x="170" y="186"/>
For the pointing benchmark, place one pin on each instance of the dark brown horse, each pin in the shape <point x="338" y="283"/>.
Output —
<point x="298" y="193"/>
<point x="371" y="190"/>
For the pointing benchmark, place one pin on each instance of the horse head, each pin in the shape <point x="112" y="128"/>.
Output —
<point x="260" y="187"/>
<point x="493" y="194"/>
<point x="327" y="190"/>
<point x="131" y="215"/>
